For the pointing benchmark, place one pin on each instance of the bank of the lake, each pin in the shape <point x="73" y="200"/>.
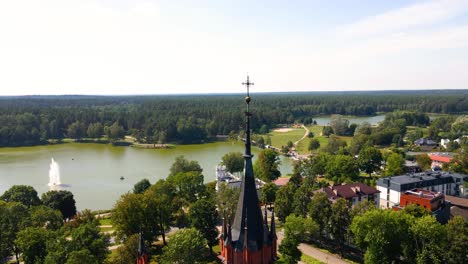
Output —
<point x="93" y="170"/>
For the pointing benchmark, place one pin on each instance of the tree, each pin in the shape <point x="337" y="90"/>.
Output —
<point x="267" y="164"/>
<point x="290" y="144"/>
<point x="268" y="193"/>
<point x="264" y="129"/>
<point x="95" y="130"/>
<point x="226" y="199"/>
<point x="369" y="160"/>
<point x="88" y="236"/>
<point x="339" y="125"/>
<point x="310" y="135"/>
<point x="32" y="243"/>
<point x="181" y="164"/>
<point x="302" y="197"/>
<point x="395" y="165"/>
<point x="234" y="161"/>
<point x="415" y="210"/>
<point x="341" y="168"/>
<point x="290" y="254"/>
<point x="60" y="200"/>
<point x="167" y="204"/>
<point x="460" y="162"/>
<point x="320" y="210"/>
<point x="46" y="217"/>
<point x="186" y="246"/>
<point x="284" y="201"/>
<point x="340" y="220"/>
<point x="314" y="144"/>
<point x="300" y="228"/>
<point x="430" y="240"/>
<point x="82" y="256"/>
<point x="423" y="161"/>
<point x="334" y="145"/>
<point x="383" y="234"/>
<point x="189" y="185"/>
<point x="363" y="129"/>
<point x="204" y="218"/>
<point x="23" y="194"/>
<point x="14" y="217"/>
<point x="76" y="130"/>
<point x="134" y="213"/>
<point x="141" y="186"/>
<point x="457" y="235"/>
<point x="115" y="132"/>
<point x="128" y="252"/>
<point x="327" y="131"/>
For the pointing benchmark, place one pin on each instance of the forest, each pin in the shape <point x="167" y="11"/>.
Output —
<point x="33" y="120"/>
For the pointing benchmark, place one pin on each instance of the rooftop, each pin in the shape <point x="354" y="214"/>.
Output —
<point x="419" y="180"/>
<point x="349" y="190"/>
<point x="425" y="194"/>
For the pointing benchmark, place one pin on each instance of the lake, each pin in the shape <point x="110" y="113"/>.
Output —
<point x="373" y="120"/>
<point x="92" y="171"/>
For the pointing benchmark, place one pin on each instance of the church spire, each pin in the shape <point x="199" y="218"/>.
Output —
<point x="248" y="203"/>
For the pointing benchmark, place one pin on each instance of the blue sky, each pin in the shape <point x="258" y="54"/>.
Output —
<point x="161" y="47"/>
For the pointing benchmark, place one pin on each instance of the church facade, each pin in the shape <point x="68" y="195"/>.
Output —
<point x="249" y="238"/>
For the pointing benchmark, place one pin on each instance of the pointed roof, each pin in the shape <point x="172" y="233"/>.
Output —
<point x="248" y="203"/>
<point x="273" y="226"/>
<point x="141" y="246"/>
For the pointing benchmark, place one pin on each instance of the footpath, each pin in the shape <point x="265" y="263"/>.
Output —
<point x="315" y="252"/>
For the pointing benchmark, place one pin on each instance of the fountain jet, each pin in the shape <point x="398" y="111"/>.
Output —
<point x="54" y="173"/>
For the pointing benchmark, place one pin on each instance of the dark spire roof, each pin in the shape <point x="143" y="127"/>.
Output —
<point x="273" y="226"/>
<point x="141" y="246"/>
<point x="248" y="203"/>
<point x="266" y="233"/>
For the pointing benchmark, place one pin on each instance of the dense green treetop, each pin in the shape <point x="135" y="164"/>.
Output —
<point x="60" y="200"/>
<point x="23" y="194"/>
<point x="31" y="120"/>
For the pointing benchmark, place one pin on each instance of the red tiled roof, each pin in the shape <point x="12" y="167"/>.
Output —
<point x="281" y="181"/>
<point x="349" y="190"/>
<point x="443" y="159"/>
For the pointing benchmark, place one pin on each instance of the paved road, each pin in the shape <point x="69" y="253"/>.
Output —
<point x="315" y="252"/>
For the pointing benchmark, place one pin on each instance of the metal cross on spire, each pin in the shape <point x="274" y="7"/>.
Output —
<point x="248" y="83"/>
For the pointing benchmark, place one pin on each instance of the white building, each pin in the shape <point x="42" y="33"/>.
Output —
<point x="445" y="182"/>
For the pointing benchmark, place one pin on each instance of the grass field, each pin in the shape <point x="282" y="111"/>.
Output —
<point x="279" y="139"/>
<point x="310" y="260"/>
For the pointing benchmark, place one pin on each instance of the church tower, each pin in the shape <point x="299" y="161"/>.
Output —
<point x="249" y="239"/>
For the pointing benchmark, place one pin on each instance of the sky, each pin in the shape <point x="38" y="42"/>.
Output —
<point x="179" y="46"/>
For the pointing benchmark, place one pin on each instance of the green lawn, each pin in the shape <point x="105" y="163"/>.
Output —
<point x="279" y="139"/>
<point x="310" y="260"/>
<point x="317" y="130"/>
<point x="105" y="221"/>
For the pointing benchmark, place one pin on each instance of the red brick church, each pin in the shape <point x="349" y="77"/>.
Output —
<point x="248" y="239"/>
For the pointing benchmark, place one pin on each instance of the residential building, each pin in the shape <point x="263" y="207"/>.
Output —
<point x="438" y="159"/>
<point x="353" y="192"/>
<point x="425" y="142"/>
<point x="459" y="206"/>
<point x="434" y="202"/>
<point x="447" y="183"/>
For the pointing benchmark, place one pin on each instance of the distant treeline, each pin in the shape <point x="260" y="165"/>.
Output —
<point x="32" y="120"/>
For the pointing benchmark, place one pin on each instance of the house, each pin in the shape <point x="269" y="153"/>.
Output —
<point x="439" y="159"/>
<point x="353" y="192"/>
<point x="447" y="183"/>
<point x="434" y="202"/>
<point x="281" y="181"/>
<point x="459" y="206"/>
<point x="425" y="142"/>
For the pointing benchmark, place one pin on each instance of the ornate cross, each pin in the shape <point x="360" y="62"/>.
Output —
<point x="248" y="83"/>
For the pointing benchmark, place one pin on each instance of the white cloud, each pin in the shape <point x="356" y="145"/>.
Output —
<point x="420" y="14"/>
